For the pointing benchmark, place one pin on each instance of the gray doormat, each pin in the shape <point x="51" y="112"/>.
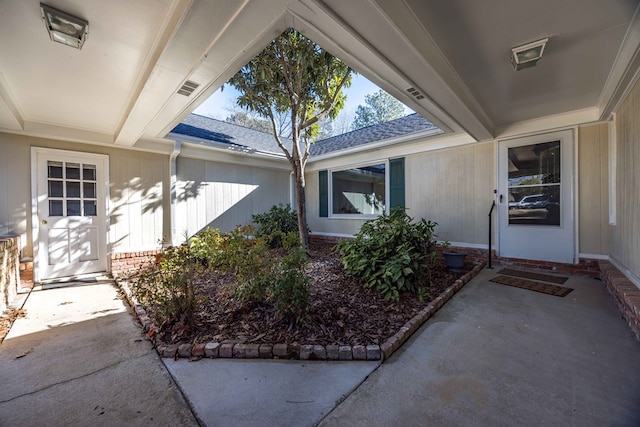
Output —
<point x="535" y="276"/>
<point x="545" y="288"/>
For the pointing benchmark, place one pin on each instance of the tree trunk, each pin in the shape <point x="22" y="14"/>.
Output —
<point x="301" y="204"/>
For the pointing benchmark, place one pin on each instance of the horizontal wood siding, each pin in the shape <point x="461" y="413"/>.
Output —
<point x="223" y="195"/>
<point x="593" y="189"/>
<point x="625" y="245"/>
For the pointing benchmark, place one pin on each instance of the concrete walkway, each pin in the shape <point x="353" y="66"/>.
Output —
<point x="78" y="359"/>
<point x="495" y="355"/>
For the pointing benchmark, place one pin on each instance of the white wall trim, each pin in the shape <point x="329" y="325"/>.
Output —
<point x="593" y="256"/>
<point x="173" y="182"/>
<point x="628" y="274"/>
<point x="466" y="245"/>
<point x="322" y="233"/>
<point x="613" y="166"/>
<point x="548" y="124"/>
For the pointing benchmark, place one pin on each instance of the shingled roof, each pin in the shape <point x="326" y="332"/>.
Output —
<point x="404" y="126"/>
<point x="217" y="131"/>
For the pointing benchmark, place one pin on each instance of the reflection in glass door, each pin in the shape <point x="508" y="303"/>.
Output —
<point x="534" y="181"/>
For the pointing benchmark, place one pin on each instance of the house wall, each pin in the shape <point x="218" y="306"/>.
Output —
<point x="138" y="182"/>
<point x="224" y="195"/>
<point x="625" y="243"/>
<point x="593" y="189"/>
<point x="453" y="187"/>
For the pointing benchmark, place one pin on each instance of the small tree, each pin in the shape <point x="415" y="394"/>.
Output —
<point x="381" y="107"/>
<point x="296" y="75"/>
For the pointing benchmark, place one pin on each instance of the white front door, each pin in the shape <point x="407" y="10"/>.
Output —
<point x="535" y="202"/>
<point x="70" y="225"/>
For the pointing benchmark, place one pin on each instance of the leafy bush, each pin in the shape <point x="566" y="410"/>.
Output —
<point x="290" y="290"/>
<point x="167" y="288"/>
<point x="206" y="246"/>
<point x="390" y="253"/>
<point x="274" y="223"/>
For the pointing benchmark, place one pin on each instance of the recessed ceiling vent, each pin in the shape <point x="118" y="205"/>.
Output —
<point x="188" y="87"/>
<point x="415" y="93"/>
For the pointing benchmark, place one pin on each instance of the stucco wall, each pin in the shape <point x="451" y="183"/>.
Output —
<point x="593" y="189"/>
<point x="625" y="244"/>
<point x="139" y="181"/>
<point x="223" y="195"/>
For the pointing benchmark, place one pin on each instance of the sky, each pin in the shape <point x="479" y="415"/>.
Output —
<point x="220" y="104"/>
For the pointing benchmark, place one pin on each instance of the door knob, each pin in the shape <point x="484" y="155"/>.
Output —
<point x="43" y="222"/>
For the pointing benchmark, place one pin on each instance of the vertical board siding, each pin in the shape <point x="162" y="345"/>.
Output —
<point x="625" y="244"/>
<point x="138" y="182"/>
<point x="222" y="195"/>
<point x="593" y="189"/>
<point x="453" y="187"/>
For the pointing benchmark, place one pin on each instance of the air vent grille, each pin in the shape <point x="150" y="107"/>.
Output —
<point x="415" y="93"/>
<point x="188" y="87"/>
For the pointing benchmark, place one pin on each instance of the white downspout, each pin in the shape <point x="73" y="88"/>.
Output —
<point x="177" y="146"/>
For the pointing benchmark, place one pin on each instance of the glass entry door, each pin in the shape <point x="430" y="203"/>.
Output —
<point x="536" y="198"/>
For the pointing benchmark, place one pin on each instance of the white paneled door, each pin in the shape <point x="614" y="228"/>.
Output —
<point x="70" y="225"/>
<point x="536" y="197"/>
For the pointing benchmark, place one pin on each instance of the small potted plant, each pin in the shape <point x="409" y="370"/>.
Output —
<point x="453" y="259"/>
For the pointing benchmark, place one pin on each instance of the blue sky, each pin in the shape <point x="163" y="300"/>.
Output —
<point x="220" y="104"/>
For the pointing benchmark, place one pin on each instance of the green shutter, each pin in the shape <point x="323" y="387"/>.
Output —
<point x="323" y="178"/>
<point x="396" y="182"/>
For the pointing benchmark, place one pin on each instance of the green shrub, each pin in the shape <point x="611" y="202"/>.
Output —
<point x="167" y="288"/>
<point x="390" y="253"/>
<point x="289" y="292"/>
<point x="206" y="246"/>
<point x="274" y="223"/>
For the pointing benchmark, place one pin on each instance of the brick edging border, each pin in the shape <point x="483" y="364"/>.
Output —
<point x="228" y="350"/>
<point x="625" y="294"/>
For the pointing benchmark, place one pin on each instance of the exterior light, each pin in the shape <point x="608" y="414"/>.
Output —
<point x="64" y="28"/>
<point x="527" y="55"/>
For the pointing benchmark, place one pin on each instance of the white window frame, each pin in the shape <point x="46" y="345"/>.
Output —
<point x="354" y="166"/>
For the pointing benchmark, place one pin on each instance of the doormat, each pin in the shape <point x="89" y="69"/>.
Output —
<point x="535" y="276"/>
<point x="545" y="288"/>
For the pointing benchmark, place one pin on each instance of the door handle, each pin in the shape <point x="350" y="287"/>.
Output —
<point x="501" y="197"/>
<point x="43" y="222"/>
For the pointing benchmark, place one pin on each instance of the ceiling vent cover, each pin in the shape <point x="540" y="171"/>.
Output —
<point x="415" y="93"/>
<point x="188" y="87"/>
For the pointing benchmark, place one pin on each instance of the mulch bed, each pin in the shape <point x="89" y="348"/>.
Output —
<point x="342" y="311"/>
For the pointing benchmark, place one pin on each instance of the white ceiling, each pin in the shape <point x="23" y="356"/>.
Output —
<point x="121" y="87"/>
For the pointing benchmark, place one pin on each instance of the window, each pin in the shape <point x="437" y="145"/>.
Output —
<point x="360" y="190"/>
<point x="71" y="189"/>
<point x="365" y="190"/>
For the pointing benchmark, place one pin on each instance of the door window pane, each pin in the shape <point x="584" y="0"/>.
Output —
<point x="73" y="208"/>
<point x="89" y="172"/>
<point x="54" y="169"/>
<point x="89" y="190"/>
<point x="73" y="189"/>
<point x="534" y="184"/>
<point x="55" y="188"/>
<point x="55" y="208"/>
<point x="90" y="208"/>
<point x="73" y="171"/>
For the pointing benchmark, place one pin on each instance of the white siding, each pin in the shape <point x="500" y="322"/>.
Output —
<point x="139" y="181"/>
<point x="223" y="195"/>
<point x="625" y="246"/>
<point x="593" y="189"/>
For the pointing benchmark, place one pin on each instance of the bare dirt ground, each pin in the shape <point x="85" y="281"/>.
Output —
<point x="341" y="310"/>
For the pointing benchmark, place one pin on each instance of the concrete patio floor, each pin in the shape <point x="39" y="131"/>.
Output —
<point x="493" y="355"/>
